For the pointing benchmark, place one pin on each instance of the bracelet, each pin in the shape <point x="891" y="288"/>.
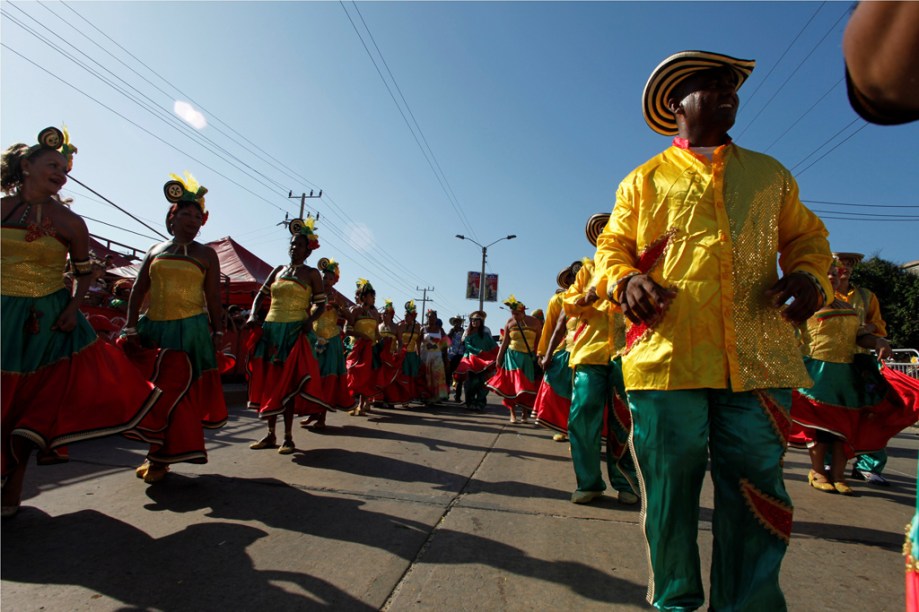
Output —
<point x="130" y="331"/>
<point x="216" y="333"/>
<point x="817" y="284"/>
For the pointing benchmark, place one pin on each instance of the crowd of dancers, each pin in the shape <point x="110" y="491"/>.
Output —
<point x="677" y="342"/>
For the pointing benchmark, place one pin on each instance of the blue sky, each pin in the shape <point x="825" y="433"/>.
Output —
<point x="529" y="114"/>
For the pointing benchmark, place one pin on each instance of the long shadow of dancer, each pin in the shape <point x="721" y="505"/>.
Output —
<point x="202" y="567"/>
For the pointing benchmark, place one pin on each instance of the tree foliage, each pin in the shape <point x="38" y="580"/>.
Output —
<point x="898" y="293"/>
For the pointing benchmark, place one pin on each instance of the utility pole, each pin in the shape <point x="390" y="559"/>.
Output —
<point x="424" y="299"/>
<point x="294" y="225"/>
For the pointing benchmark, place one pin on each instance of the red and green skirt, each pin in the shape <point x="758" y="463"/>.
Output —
<point x="405" y="388"/>
<point x="333" y="375"/>
<point x="63" y="387"/>
<point x="362" y="376"/>
<point x="282" y="369"/>
<point x="862" y="403"/>
<point x="553" y="400"/>
<point x="389" y="363"/>
<point x="203" y="405"/>
<point x="515" y="379"/>
<point x="475" y="363"/>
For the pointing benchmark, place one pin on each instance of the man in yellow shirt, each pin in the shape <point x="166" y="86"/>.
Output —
<point x="597" y="391"/>
<point x="869" y="466"/>
<point x="690" y="254"/>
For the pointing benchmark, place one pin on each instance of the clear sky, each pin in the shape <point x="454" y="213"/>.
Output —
<point x="524" y="118"/>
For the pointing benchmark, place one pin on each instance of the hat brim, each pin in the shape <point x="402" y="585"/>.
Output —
<point x="674" y="69"/>
<point x="595" y="226"/>
<point x="564" y="278"/>
<point x="847" y="255"/>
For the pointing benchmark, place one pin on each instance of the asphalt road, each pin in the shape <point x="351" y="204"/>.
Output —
<point x="426" y="508"/>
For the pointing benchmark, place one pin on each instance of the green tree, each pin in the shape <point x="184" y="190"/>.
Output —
<point x="898" y="293"/>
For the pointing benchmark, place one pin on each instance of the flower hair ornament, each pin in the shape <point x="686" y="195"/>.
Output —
<point x="185" y="189"/>
<point x="327" y="264"/>
<point x="306" y="227"/>
<point x="410" y="307"/>
<point x="512" y="303"/>
<point x="364" y="287"/>
<point x="387" y="306"/>
<point x="56" y="140"/>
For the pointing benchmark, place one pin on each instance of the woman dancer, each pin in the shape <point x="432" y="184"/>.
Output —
<point x="405" y="387"/>
<point x="515" y="379"/>
<point x="389" y="352"/>
<point x="329" y="349"/>
<point x="283" y="372"/>
<point x="479" y="353"/>
<point x="181" y="277"/>
<point x="852" y="407"/>
<point x="553" y="400"/>
<point x="60" y="383"/>
<point x="433" y="358"/>
<point x="362" y="327"/>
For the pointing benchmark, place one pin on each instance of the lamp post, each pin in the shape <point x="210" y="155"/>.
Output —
<point x="484" y="254"/>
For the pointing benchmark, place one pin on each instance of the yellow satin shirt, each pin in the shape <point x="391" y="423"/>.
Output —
<point x="830" y="335"/>
<point x="31" y="269"/>
<point x="176" y="288"/>
<point x="290" y="300"/>
<point x="725" y="222"/>
<point x="553" y="312"/>
<point x="598" y="328"/>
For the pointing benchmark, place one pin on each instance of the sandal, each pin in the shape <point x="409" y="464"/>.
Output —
<point x="842" y="488"/>
<point x="141" y="471"/>
<point x="820" y="485"/>
<point x="268" y="441"/>
<point x="155" y="473"/>
<point x="287" y="447"/>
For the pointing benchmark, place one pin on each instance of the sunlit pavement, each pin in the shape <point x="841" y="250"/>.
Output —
<point x="425" y="508"/>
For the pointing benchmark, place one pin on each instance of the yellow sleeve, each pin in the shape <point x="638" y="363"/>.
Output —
<point x="577" y="289"/>
<point x="553" y="311"/>
<point x="873" y="315"/>
<point x="617" y="251"/>
<point x="803" y="240"/>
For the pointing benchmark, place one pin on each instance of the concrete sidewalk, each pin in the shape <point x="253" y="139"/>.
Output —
<point x="418" y="509"/>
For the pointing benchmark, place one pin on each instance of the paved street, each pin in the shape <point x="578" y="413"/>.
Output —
<point x="417" y="509"/>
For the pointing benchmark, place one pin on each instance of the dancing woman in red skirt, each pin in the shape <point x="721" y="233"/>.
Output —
<point x="283" y="372"/>
<point x="364" y="320"/>
<point x="60" y="383"/>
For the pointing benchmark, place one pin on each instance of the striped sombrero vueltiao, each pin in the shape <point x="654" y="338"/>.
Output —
<point x="673" y="70"/>
<point x="595" y="226"/>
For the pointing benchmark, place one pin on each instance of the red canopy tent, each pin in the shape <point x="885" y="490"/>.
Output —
<point x="242" y="273"/>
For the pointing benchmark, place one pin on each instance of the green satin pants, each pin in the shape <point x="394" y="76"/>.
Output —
<point x="673" y="435"/>
<point x="591" y="395"/>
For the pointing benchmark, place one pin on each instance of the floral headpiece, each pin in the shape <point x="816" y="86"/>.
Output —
<point x="539" y="314"/>
<point x="327" y="264"/>
<point x="307" y="229"/>
<point x="364" y="287"/>
<point x="185" y="189"/>
<point x="56" y="140"/>
<point x="387" y="305"/>
<point x="512" y="303"/>
<point x="410" y="307"/>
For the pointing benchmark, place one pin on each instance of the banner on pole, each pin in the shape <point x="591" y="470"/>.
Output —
<point x="491" y="286"/>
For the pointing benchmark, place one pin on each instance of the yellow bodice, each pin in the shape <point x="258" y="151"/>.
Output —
<point x="830" y="335"/>
<point x="326" y="325"/>
<point x="367" y="326"/>
<point x="517" y="340"/>
<point x="290" y="301"/>
<point x="31" y="269"/>
<point x="176" y="288"/>
<point x="386" y="331"/>
<point x="410" y="340"/>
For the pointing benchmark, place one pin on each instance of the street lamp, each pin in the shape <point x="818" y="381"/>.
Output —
<point x="484" y="253"/>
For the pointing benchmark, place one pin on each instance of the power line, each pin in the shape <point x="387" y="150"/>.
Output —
<point x="861" y="205"/>
<point x="866" y="215"/>
<point x="427" y="158"/>
<point x="803" y="115"/>
<point x="833" y="148"/>
<point x="793" y="73"/>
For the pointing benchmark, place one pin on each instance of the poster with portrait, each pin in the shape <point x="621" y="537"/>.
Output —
<point x="491" y="286"/>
